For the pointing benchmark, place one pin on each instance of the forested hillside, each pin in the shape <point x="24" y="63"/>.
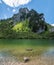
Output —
<point x="25" y="24"/>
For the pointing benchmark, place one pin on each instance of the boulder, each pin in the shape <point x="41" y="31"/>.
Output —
<point x="29" y="49"/>
<point x="26" y="59"/>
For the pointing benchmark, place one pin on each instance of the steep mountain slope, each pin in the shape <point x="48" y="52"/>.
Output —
<point x="36" y="20"/>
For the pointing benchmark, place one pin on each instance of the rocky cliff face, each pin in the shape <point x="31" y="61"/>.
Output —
<point x="51" y="29"/>
<point x="21" y="15"/>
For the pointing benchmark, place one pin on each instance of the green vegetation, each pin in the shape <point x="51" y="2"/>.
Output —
<point x="21" y="31"/>
<point x="22" y="27"/>
<point x="29" y="25"/>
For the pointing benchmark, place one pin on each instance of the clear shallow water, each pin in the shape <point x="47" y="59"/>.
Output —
<point x="21" y="44"/>
<point x="5" y="57"/>
<point x="24" y="43"/>
<point x="49" y="52"/>
<point x="8" y="59"/>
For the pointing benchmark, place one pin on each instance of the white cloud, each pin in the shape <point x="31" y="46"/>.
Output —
<point x="14" y="10"/>
<point x="16" y="3"/>
<point x="52" y="24"/>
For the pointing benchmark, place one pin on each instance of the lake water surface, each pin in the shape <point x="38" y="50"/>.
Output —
<point x="21" y="45"/>
<point x="27" y="42"/>
<point x="24" y="43"/>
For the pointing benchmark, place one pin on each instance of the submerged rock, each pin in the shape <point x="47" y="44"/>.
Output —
<point x="29" y="49"/>
<point x="26" y="59"/>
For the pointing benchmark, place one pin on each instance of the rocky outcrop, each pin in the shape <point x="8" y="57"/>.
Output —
<point x="51" y="29"/>
<point x="21" y="15"/>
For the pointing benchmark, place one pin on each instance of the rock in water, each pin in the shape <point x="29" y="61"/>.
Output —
<point x="29" y="49"/>
<point x="26" y="59"/>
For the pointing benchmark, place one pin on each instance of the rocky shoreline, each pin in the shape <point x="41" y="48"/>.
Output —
<point x="44" y="59"/>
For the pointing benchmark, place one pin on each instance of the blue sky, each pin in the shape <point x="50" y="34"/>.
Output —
<point x="41" y="6"/>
